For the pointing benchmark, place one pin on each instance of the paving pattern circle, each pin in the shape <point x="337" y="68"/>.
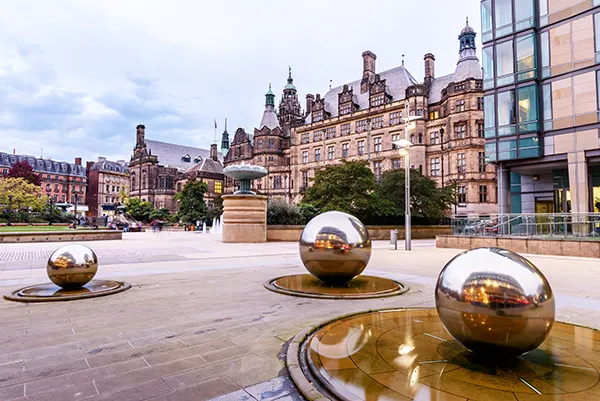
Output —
<point x="50" y="292"/>
<point x="408" y="354"/>
<point x="361" y="287"/>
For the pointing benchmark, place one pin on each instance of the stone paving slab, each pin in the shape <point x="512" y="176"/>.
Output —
<point x="202" y="326"/>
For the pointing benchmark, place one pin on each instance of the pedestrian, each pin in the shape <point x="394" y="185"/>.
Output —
<point x="105" y="220"/>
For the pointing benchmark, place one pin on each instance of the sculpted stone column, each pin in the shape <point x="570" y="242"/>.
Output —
<point x="244" y="218"/>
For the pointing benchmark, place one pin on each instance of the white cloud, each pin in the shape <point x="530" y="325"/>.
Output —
<point x="100" y="67"/>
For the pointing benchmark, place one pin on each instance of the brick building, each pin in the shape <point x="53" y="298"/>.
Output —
<point x="106" y="181"/>
<point x="361" y="119"/>
<point x="65" y="183"/>
<point x="158" y="170"/>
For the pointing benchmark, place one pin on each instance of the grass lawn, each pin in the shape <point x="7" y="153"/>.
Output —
<point x="15" y="229"/>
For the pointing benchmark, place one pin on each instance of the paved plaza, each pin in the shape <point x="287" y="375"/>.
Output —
<point x="197" y="323"/>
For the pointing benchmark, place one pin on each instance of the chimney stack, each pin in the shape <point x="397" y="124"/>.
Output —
<point x="310" y="100"/>
<point x="88" y="166"/>
<point x="78" y="161"/>
<point x="368" y="70"/>
<point x="213" y="152"/>
<point x="429" y="67"/>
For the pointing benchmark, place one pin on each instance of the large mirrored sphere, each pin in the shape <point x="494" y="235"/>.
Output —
<point x="72" y="266"/>
<point x="335" y="247"/>
<point x="495" y="302"/>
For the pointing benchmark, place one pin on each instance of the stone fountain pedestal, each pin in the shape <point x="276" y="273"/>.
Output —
<point x="244" y="218"/>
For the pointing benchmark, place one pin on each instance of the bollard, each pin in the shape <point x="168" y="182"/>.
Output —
<point x="394" y="238"/>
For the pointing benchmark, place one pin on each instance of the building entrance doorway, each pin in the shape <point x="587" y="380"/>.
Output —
<point x="562" y="200"/>
<point x="544" y="206"/>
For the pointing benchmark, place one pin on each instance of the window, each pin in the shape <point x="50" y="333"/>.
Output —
<point x="506" y="113"/>
<point x="361" y="147"/>
<point x="259" y="143"/>
<point x="113" y="188"/>
<point x="524" y="14"/>
<point x="318" y="154"/>
<point x="378" y="122"/>
<point x="503" y="11"/>
<point x="434" y="115"/>
<point x="480" y="103"/>
<point x="330" y="132"/>
<point x="48" y="187"/>
<point x="528" y="109"/>
<point x="412" y="138"/>
<point x="396" y="164"/>
<point x="459" y="131"/>
<point x="395" y="118"/>
<point x="305" y="179"/>
<point x="277" y="182"/>
<point x="435" y="166"/>
<point x="377" y="100"/>
<point x="377" y="168"/>
<point x="108" y="188"/>
<point x="361" y="126"/>
<point x="345" y="109"/>
<point x="271" y="143"/>
<point x="317" y="136"/>
<point x="489" y="116"/>
<point x="218" y="187"/>
<point x="305" y="138"/>
<point x="462" y="194"/>
<point x="434" y="138"/>
<point x="481" y="161"/>
<point x="331" y="152"/>
<point x="317" y="116"/>
<point x="488" y="67"/>
<point x="420" y="138"/>
<point x="480" y="129"/>
<point x="505" y="63"/>
<point x="526" y="57"/>
<point x="345" y="129"/>
<point x="507" y="150"/>
<point x="377" y="144"/>
<point x="461" y="163"/>
<point x="483" y="194"/>
<point x="345" y="149"/>
<point x="460" y="105"/>
<point x="395" y="137"/>
<point x="486" y="20"/>
<point x="529" y="147"/>
<point x="305" y="156"/>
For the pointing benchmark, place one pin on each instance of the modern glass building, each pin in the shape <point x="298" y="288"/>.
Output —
<point x="541" y="63"/>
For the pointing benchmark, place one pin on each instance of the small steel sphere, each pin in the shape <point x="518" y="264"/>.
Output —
<point x="72" y="266"/>
<point x="495" y="302"/>
<point x="335" y="247"/>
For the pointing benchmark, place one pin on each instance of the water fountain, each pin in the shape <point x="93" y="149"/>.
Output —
<point x="244" y="212"/>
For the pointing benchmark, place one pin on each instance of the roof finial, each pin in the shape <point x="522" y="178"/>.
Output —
<point x="467" y="20"/>
<point x="225" y="124"/>
<point x="290" y="69"/>
<point x="269" y="86"/>
<point x="403" y="60"/>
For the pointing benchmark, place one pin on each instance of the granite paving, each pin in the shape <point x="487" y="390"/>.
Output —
<point x="197" y="323"/>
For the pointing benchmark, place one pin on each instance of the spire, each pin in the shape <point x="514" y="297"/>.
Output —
<point x="270" y="98"/>
<point x="225" y="140"/>
<point x="467" y="42"/>
<point x="290" y="81"/>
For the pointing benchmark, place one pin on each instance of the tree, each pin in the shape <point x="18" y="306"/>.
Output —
<point x="139" y="209"/>
<point x="192" y="206"/>
<point x="23" y="170"/>
<point x="427" y="199"/>
<point x="348" y="187"/>
<point x="160" y="214"/>
<point x="19" y="194"/>
<point x="216" y="210"/>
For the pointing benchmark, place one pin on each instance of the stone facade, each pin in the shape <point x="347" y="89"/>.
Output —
<point x="158" y="170"/>
<point x="107" y="180"/>
<point x="361" y="119"/>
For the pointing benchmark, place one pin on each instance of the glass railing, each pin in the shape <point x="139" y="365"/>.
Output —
<point x="549" y="225"/>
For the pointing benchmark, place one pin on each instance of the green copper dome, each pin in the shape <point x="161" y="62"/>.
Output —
<point x="290" y="82"/>
<point x="270" y="97"/>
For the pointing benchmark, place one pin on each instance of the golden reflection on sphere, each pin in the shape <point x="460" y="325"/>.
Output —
<point x="72" y="266"/>
<point x="335" y="247"/>
<point x="495" y="302"/>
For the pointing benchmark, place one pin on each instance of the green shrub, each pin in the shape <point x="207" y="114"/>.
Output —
<point x="279" y="212"/>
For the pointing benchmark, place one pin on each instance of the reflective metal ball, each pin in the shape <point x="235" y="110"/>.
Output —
<point x="495" y="302"/>
<point x="72" y="266"/>
<point x="335" y="247"/>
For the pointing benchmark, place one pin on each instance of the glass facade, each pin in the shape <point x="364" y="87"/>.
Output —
<point x="486" y="21"/>
<point x="489" y="113"/>
<point x="526" y="57"/>
<point x="488" y="67"/>
<point x="528" y="109"/>
<point x="506" y="113"/>
<point x="505" y="63"/>
<point x="524" y="14"/>
<point x="503" y="12"/>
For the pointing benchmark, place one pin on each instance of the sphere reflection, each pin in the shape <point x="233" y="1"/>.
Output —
<point x="495" y="301"/>
<point x="72" y="266"/>
<point x="335" y="247"/>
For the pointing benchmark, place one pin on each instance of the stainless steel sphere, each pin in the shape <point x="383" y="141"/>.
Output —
<point x="335" y="247"/>
<point x="495" y="302"/>
<point x="72" y="266"/>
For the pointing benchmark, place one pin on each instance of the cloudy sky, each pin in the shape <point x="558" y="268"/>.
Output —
<point x="76" y="77"/>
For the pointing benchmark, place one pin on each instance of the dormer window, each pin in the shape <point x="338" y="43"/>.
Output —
<point x="377" y="100"/>
<point x="186" y="158"/>
<point x="197" y="160"/>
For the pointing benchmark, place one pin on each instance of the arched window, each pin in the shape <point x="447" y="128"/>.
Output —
<point x="161" y="182"/>
<point x="412" y="138"/>
<point x="144" y="179"/>
<point x="133" y="182"/>
<point x="420" y="138"/>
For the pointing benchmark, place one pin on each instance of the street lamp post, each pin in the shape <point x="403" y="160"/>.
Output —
<point x="76" y="194"/>
<point x="51" y="211"/>
<point x="10" y="198"/>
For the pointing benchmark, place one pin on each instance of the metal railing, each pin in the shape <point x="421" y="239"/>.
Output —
<point x="530" y="225"/>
